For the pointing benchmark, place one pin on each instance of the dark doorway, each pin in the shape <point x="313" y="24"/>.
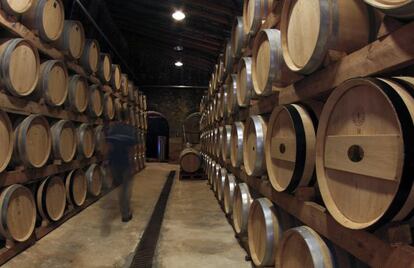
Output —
<point x="157" y="127"/>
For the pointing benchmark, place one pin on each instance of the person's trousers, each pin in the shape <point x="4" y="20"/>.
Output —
<point x="122" y="174"/>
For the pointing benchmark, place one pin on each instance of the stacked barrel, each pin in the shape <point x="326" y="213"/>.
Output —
<point x="354" y="146"/>
<point x="70" y="132"/>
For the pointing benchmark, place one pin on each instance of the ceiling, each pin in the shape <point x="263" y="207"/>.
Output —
<point x="144" y="35"/>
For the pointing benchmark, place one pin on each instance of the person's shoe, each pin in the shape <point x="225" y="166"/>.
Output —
<point x="128" y="218"/>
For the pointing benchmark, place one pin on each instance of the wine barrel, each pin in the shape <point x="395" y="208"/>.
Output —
<point x="108" y="106"/>
<point x="216" y="176"/>
<point x="344" y="25"/>
<point x="220" y="70"/>
<point x="228" y="58"/>
<point x="51" y="199"/>
<point x="107" y="178"/>
<point x="290" y="148"/>
<point x="124" y="85"/>
<point x="53" y="82"/>
<point x="236" y="144"/>
<point x="314" y="252"/>
<point x="212" y="169"/>
<point x="241" y="207"/>
<point x="190" y="160"/>
<point x="218" y="105"/>
<point x="231" y="89"/>
<point x="77" y="99"/>
<point x="254" y="138"/>
<point x="32" y="144"/>
<point x="264" y="232"/>
<point x="402" y="9"/>
<point x="245" y="91"/>
<point x="18" y="213"/>
<point x="6" y="140"/>
<point x="105" y="67"/>
<point x="219" y="136"/>
<point x="64" y="140"/>
<point x="364" y="151"/>
<point x="13" y="7"/>
<point x="94" y="179"/>
<point x="118" y="108"/>
<point x="116" y="77"/>
<point x="225" y="143"/>
<point x="268" y="66"/>
<point x="86" y="140"/>
<point x="47" y="18"/>
<point x="228" y="193"/>
<point x="238" y="37"/>
<point x="90" y="56"/>
<point x="76" y="187"/>
<point x="131" y="90"/>
<point x="95" y="99"/>
<point x="19" y="66"/>
<point x="221" y="179"/>
<point x="100" y="141"/>
<point x="72" y="40"/>
<point x="254" y="12"/>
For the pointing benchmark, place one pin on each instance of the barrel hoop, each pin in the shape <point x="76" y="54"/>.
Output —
<point x="4" y="207"/>
<point x="44" y="205"/>
<point x="71" y="185"/>
<point x="313" y="246"/>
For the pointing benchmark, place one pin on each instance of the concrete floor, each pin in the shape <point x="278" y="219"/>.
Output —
<point x="194" y="233"/>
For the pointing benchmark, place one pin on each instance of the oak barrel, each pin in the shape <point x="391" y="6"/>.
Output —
<point x="238" y="37"/>
<point x="245" y="91"/>
<point x="90" y="56"/>
<point x="64" y="140"/>
<point x="364" y="152"/>
<point x="51" y="198"/>
<point x="268" y="66"/>
<point x="100" y="140"/>
<point x="94" y="179"/>
<point x="108" y="106"/>
<point x="211" y="172"/>
<point x="216" y="175"/>
<point x="231" y="88"/>
<point x="221" y="179"/>
<point x="6" y="140"/>
<point x="72" y="40"/>
<point x="77" y="99"/>
<point x="116" y="77"/>
<point x="18" y="7"/>
<point x="124" y="85"/>
<point x="219" y="136"/>
<point x="236" y="144"/>
<point x="76" y="187"/>
<point x="241" y="207"/>
<point x="190" y="160"/>
<point x="225" y="143"/>
<point x="402" y="9"/>
<point x="18" y="213"/>
<point x="118" y="108"/>
<point x="47" y="18"/>
<point x="310" y="28"/>
<point x="254" y="12"/>
<point x="86" y="140"/>
<point x="33" y="142"/>
<point x="105" y="67"/>
<point x="95" y="100"/>
<point x="228" y="193"/>
<point x="19" y="66"/>
<point x="228" y="58"/>
<point x="290" y="148"/>
<point x="53" y="82"/>
<point x="254" y="138"/>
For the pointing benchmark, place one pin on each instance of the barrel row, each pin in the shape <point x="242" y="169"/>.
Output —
<point x="274" y="237"/>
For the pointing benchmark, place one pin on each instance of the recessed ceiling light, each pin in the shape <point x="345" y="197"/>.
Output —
<point x="178" y="48"/>
<point x="178" y="63"/>
<point x="178" y="15"/>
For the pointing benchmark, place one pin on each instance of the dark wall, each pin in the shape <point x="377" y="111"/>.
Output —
<point x="175" y="105"/>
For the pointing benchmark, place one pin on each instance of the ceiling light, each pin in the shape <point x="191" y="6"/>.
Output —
<point x="178" y="15"/>
<point x="178" y="63"/>
<point x="178" y="48"/>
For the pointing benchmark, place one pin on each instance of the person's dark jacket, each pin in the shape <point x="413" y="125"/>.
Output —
<point x="121" y="137"/>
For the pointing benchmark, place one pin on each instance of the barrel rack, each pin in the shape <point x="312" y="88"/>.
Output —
<point x="24" y="106"/>
<point x="391" y="52"/>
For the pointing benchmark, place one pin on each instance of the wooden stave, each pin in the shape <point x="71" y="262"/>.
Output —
<point x="225" y="143"/>
<point x="4" y="202"/>
<point x="320" y="253"/>
<point x="116" y="84"/>
<point x="56" y="130"/>
<point x="42" y="84"/>
<point x="63" y="42"/>
<point x="101" y="67"/>
<point x="259" y="123"/>
<point x="228" y="58"/>
<point x="403" y="11"/>
<point x="109" y="114"/>
<point x="243" y="100"/>
<point x="5" y="5"/>
<point x="91" y="109"/>
<point x="89" y="177"/>
<point x="218" y="140"/>
<point x="228" y="193"/>
<point x="8" y="157"/>
<point x="305" y="126"/>
<point x="69" y="187"/>
<point x="80" y="134"/>
<point x="242" y="193"/>
<point x="238" y="37"/>
<point x="232" y="105"/>
<point x="261" y="10"/>
<point x="71" y="101"/>
<point x="236" y="156"/>
<point x="193" y="152"/>
<point x="33" y="18"/>
<point x="41" y="196"/>
<point x="400" y="203"/>
<point x="20" y="143"/>
<point x="220" y="184"/>
<point x="84" y="59"/>
<point x="5" y="58"/>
